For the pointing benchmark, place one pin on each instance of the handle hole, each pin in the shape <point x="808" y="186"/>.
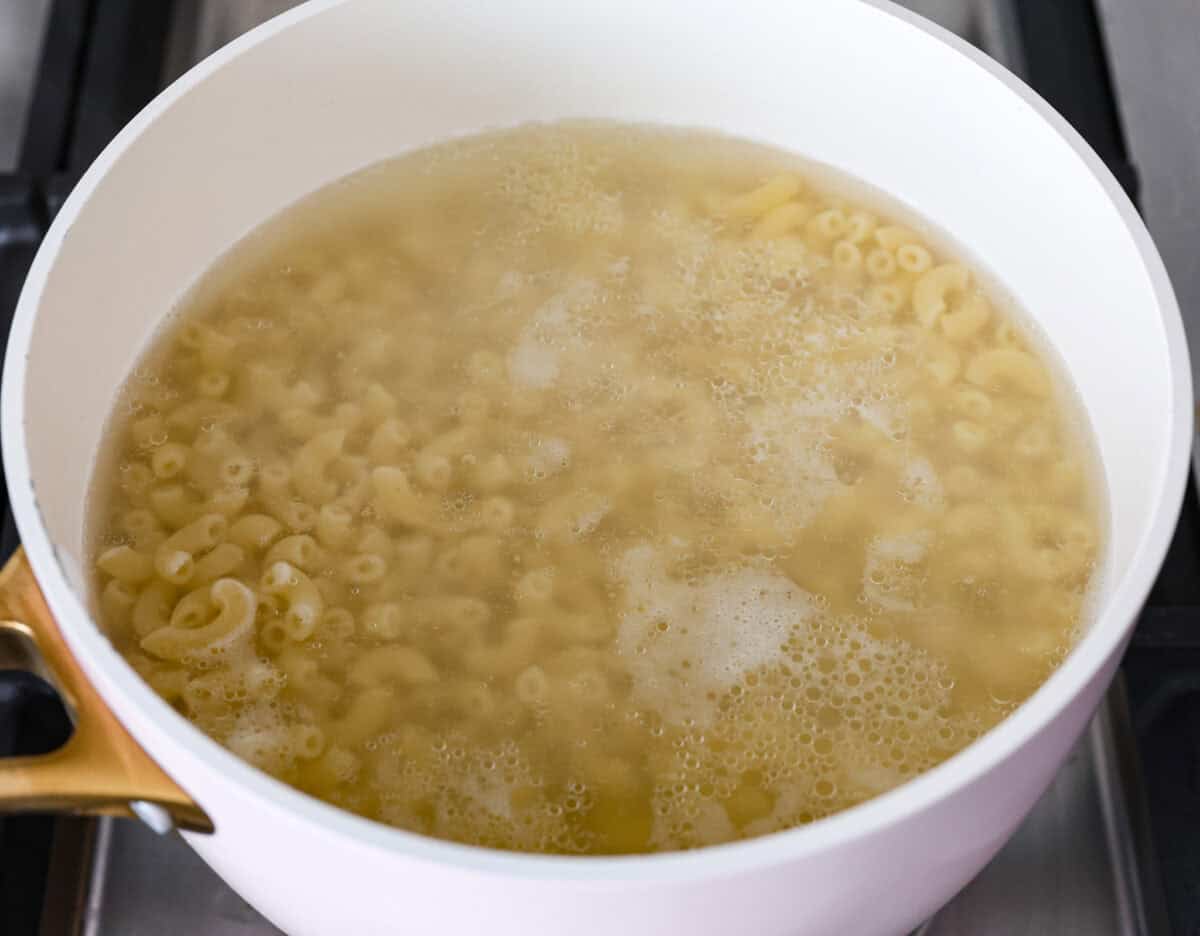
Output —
<point x="33" y="719"/>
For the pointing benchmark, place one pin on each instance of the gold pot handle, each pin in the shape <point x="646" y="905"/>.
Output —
<point x="101" y="770"/>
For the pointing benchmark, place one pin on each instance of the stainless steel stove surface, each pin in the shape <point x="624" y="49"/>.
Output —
<point x="1065" y="872"/>
<point x="1083" y="862"/>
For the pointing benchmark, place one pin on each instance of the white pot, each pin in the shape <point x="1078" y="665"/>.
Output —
<point x="330" y="87"/>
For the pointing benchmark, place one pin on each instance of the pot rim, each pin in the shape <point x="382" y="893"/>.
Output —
<point x="1105" y="638"/>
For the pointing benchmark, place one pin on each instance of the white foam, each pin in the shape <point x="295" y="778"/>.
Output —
<point x="585" y="522"/>
<point x="554" y="329"/>
<point x="710" y="823"/>
<point x="921" y="485"/>
<point x="887" y="582"/>
<point x="747" y="617"/>
<point x="548" y="455"/>
<point x="533" y="363"/>
<point x="783" y="441"/>
<point x="259" y="736"/>
<point x="722" y="627"/>
<point x="489" y="791"/>
<point x="880" y="415"/>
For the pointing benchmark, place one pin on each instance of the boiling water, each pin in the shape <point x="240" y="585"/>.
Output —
<point x="594" y="489"/>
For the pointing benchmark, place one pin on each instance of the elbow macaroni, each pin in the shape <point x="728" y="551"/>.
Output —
<point x="234" y="622"/>
<point x="313" y="461"/>
<point x="930" y="295"/>
<point x="302" y="599"/>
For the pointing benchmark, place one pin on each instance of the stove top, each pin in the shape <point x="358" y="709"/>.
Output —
<point x="1109" y="849"/>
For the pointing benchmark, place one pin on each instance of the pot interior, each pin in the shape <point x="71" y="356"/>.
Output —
<point x="331" y="88"/>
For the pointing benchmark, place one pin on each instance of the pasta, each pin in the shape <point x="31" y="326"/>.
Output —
<point x="967" y="320"/>
<point x="255" y="531"/>
<point x="153" y="608"/>
<point x="126" y="564"/>
<point x="386" y="621"/>
<point x="1009" y="367"/>
<point x="174" y="559"/>
<point x="913" y="258"/>
<point x="771" y="194"/>
<point x="931" y="291"/>
<point x="118" y="600"/>
<point x="303" y="600"/>
<point x="388" y="441"/>
<point x="532" y="686"/>
<point x="475" y="563"/>
<point x="595" y="490"/>
<point x="169" y="460"/>
<point x="275" y="493"/>
<point x="433" y="471"/>
<point x="334" y="525"/>
<point x="497" y="514"/>
<point x="222" y="560"/>
<point x="782" y="218"/>
<point x="212" y="384"/>
<point x="827" y="225"/>
<point x="364" y="568"/>
<point x="234" y="622"/>
<point x="227" y="500"/>
<point x="397" y="664"/>
<point x="493" y="474"/>
<point x="312" y="461"/>
<point x="174" y="506"/>
<point x="300" y="549"/>
<point x="880" y="264"/>
<point x="135" y="482"/>
<point x="395" y="498"/>
<point x="368" y="713"/>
